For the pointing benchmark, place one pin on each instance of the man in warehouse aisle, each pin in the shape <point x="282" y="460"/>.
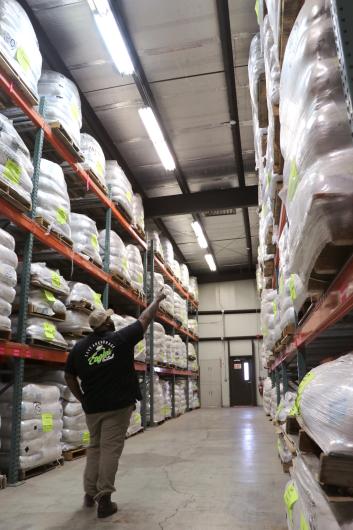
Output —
<point x="104" y="363"/>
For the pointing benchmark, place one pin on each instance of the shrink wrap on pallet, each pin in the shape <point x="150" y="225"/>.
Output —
<point x="316" y="140"/>
<point x="169" y="349"/>
<point x="180" y="397"/>
<point x="194" y="400"/>
<point x="285" y="406"/>
<point x="135" y="267"/>
<point x="167" y="396"/>
<point x="121" y="191"/>
<point x="53" y="199"/>
<point x="184" y="276"/>
<point x="43" y="302"/>
<point x="176" y="269"/>
<point x="16" y="168"/>
<point x="94" y="156"/>
<point x="168" y="303"/>
<point x="283" y="451"/>
<point x="159" y="343"/>
<point x="267" y="396"/>
<point x="158" y="284"/>
<point x="75" y="323"/>
<point x="179" y="350"/>
<point x="75" y="432"/>
<point x="307" y="506"/>
<point x="8" y="278"/>
<point x="157" y="245"/>
<point x="41" y="425"/>
<point x="194" y="288"/>
<point x="62" y="102"/>
<point x="180" y="309"/>
<point x="135" y="421"/>
<point x="325" y="403"/>
<point x="42" y="276"/>
<point x="84" y="235"/>
<point x="118" y="261"/>
<point x="193" y="326"/>
<point x="80" y="293"/>
<point x="18" y="43"/>
<point x="168" y="252"/>
<point x="158" y="400"/>
<point x="138" y="214"/>
<point x="41" y="329"/>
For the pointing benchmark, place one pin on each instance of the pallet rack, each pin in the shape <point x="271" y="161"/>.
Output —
<point x="326" y="329"/>
<point x="19" y="351"/>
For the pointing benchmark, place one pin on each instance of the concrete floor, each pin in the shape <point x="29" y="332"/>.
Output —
<point x="207" y="470"/>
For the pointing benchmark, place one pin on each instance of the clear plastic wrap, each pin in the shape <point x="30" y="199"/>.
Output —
<point x="267" y="396"/>
<point x="176" y="269"/>
<point x="16" y="168"/>
<point x="184" y="276"/>
<point x="94" y="156"/>
<point x="271" y="60"/>
<point x="193" y="326"/>
<point x="18" y="42"/>
<point x="179" y="352"/>
<point x="140" y="348"/>
<point x="135" y="421"/>
<point x="62" y="102"/>
<point x="135" y="267"/>
<point x="76" y="323"/>
<point x="43" y="302"/>
<point x="138" y="214"/>
<point x="157" y="244"/>
<point x="158" y="400"/>
<point x="194" y="288"/>
<point x="325" y="403"/>
<point x="283" y="451"/>
<point x="80" y="293"/>
<point x="118" y="261"/>
<point x="285" y="407"/>
<point x="43" y="330"/>
<point x="180" y="397"/>
<point x="121" y="189"/>
<point x="168" y="303"/>
<point x="84" y="235"/>
<point x="315" y="140"/>
<point x="167" y="395"/>
<point x="8" y="278"/>
<point x="180" y="310"/>
<point x="42" y="276"/>
<point x="168" y="252"/>
<point x="159" y="343"/>
<point x="53" y="199"/>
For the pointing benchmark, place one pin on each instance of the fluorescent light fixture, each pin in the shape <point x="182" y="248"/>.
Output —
<point x="111" y="35"/>
<point x="199" y="234"/>
<point x="154" y="132"/>
<point x="210" y="262"/>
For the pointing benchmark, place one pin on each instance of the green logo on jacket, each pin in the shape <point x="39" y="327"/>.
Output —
<point x="100" y="355"/>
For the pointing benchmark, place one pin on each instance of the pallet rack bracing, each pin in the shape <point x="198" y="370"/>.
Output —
<point x="20" y="351"/>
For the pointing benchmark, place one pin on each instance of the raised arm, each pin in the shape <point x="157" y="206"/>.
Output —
<point x="149" y="313"/>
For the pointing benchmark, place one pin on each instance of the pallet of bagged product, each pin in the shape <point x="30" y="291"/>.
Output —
<point x="92" y="260"/>
<point x="287" y="334"/>
<point x="14" y="198"/>
<point x="123" y="212"/>
<point x="140" y="232"/>
<point x="289" y="10"/>
<point x="52" y="230"/>
<point x="61" y="133"/>
<point x="334" y="471"/>
<point x="120" y="279"/>
<point x="95" y="178"/>
<point x="36" y="311"/>
<point x="5" y="334"/>
<point x="38" y="470"/>
<point x="74" y="454"/>
<point x="278" y="161"/>
<point x="48" y="345"/>
<point x="21" y="85"/>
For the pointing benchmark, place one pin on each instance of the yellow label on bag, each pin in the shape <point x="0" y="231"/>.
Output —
<point x="295" y="410"/>
<point x="97" y="298"/>
<point x="47" y="422"/>
<point x="99" y="168"/>
<point x="140" y="278"/>
<point x="75" y="112"/>
<point x="293" y="180"/>
<point x="140" y="346"/>
<point x="48" y="296"/>
<point x="304" y="525"/>
<point x="128" y="195"/>
<point x="292" y="290"/>
<point x="268" y="180"/>
<point x="274" y="305"/>
<point x="12" y="172"/>
<point x="61" y="216"/>
<point x="55" y="279"/>
<point x="94" y="241"/>
<point x="85" y="437"/>
<point x="257" y="9"/>
<point x="49" y="330"/>
<point x="281" y="284"/>
<point x="124" y="263"/>
<point x="23" y="59"/>
<point x="290" y="498"/>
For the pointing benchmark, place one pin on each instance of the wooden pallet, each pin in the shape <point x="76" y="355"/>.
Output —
<point x="277" y="204"/>
<point x="89" y="258"/>
<point x="262" y="101"/>
<point x="5" y="334"/>
<point x="21" y="85"/>
<point x="119" y="279"/>
<point x="286" y="466"/>
<point x="287" y="334"/>
<point x="82" y="305"/>
<point x="53" y="232"/>
<point x="35" y="311"/>
<point x="123" y="212"/>
<point x="74" y="454"/>
<point x="278" y="161"/>
<point x="66" y="139"/>
<point x="34" y="471"/>
<point x="44" y="344"/>
<point x="14" y="198"/>
<point x="140" y="232"/>
<point x="269" y="267"/>
<point x="95" y="178"/>
<point x="288" y="14"/>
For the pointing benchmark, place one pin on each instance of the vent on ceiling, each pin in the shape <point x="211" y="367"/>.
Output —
<point x="216" y="213"/>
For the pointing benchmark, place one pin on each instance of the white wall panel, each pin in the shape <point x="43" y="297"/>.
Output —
<point x="210" y="326"/>
<point x="240" y="347"/>
<point x="217" y="350"/>
<point x="228" y="295"/>
<point x="244" y="324"/>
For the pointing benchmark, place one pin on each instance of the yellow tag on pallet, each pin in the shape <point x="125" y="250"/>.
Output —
<point x="23" y="59"/>
<point x="61" y="216"/>
<point x="274" y="305"/>
<point x="85" y="437"/>
<point x="292" y="290"/>
<point x="295" y="410"/>
<point x="94" y="241"/>
<point x="49" y="330"/>
<point x="47" y="422"/>
<point x="304" y="525"/>
<point x="124" y="263"/>
<point x="99" y="168"/>
<point x="290" y="498"/>
<point x="140" y="278"/>
<point x="293" y="180"/>
<point x="75" y="112"/>
<point x="257" y="9"/>
<point x="281" y="284"/>
<point x="140" y="346"/>
<point x="55" y="279"/>
<point x="48" y="296"/>
<point x="12" y="172"/>
<point x="97" y="298"/>
<point x="128" y="195"/>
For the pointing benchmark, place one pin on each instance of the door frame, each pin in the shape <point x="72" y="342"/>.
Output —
<point x="253" y="374"/>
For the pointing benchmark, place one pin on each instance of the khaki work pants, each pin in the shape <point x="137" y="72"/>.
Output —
<point x="107" y="437"/>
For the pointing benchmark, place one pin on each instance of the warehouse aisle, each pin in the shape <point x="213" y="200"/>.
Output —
<point x="210" y="469"/>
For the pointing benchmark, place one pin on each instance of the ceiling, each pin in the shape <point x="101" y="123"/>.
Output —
<point x="179" y="48"/>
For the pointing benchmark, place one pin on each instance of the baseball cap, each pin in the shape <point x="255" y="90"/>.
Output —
<point x="98" y="317"/>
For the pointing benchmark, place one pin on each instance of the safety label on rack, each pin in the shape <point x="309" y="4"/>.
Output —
<point x="47" y="422"/>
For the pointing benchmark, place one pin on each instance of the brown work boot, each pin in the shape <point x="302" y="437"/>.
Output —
<point x="88" y="501"/>
<point x="106" y="507"/>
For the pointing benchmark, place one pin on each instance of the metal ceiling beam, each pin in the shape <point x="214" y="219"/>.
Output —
<point x="230" y="276"/>
<point x="148" y="99"/>
<point x="91" y="120"/>
<point x="201" y="201"/>
<point x="227" y="54"/>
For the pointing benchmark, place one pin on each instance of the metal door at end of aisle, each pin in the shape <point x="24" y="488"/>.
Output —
<point x="241" y="381"/>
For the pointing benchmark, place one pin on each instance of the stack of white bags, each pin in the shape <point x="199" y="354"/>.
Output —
<point x="135" y="420"/>
<point x="121" y="191"/>
<point x="167" y="395"/>
<point x="158" y="400"/>
<point x="168" y="252"/>
<point x="84" y="235"/>
<point x="179" y="352"/>
<point x="138" y="214"/>
<point x="135" y="267"/>
<point x="94" y="156"/>
<point x="180" y="397"/>
<point x="8" y="278"/>
<point x="41" y="425"/>
<point x="159" y="343"/>
<point x="118" y="261"/>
